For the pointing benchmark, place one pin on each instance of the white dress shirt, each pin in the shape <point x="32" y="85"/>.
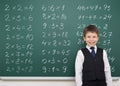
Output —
<point x="79" y="66"/>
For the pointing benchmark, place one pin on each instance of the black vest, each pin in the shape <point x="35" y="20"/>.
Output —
<point x="93" y="67"/>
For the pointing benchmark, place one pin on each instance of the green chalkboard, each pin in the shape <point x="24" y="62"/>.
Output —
<point x="41" y="37"/>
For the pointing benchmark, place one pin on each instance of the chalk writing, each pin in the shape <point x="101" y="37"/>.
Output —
<point x="42" y="37"/>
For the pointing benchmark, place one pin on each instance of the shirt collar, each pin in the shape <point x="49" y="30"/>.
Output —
<point x="88" y="47"/>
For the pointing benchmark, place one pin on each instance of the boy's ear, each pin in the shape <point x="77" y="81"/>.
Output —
<point x="84" y="38"/>
<point x="98" y="37"/>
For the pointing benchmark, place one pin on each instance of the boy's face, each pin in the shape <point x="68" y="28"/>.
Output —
<point x="91" y="39"/>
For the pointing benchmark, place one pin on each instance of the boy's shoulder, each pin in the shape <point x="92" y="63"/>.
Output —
<point x="99" y="48"/>
<point x="83" y="48"/>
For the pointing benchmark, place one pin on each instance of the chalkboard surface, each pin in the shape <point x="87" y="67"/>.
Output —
<point x="41" y="37"/>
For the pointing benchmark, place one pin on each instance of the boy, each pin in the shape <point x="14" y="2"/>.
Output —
<point x="92" y="67"/>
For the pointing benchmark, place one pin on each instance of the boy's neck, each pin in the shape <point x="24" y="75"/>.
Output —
<point x="91" y="46"/>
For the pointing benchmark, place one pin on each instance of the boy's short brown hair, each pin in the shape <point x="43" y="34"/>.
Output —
<point x="90" y="28"/>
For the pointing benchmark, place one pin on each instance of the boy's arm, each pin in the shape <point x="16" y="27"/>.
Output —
<point x="78" y="68"/>
<point x="107" y="69"/>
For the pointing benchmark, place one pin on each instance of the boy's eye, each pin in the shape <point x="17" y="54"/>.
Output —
<point x="88" y="37"/>
<point x="94" y="36"/>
